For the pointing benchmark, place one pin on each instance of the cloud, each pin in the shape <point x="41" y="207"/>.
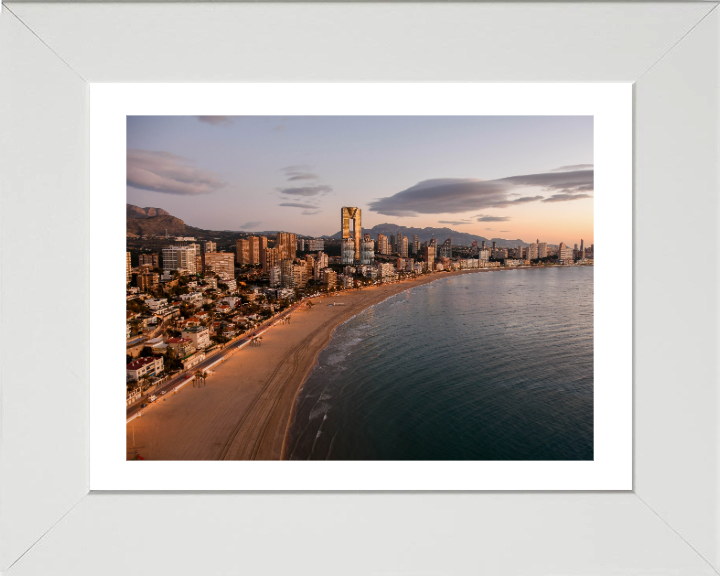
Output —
<point x="250" y="225"/>
<point x="491" y="229"/>
<point x="299" y="205"/>
<point x="493" y="218"/>
<point x="216" y="119"/>
<point x="504" y="230"/>
<point x="566" y="197"/>
<point x="307" y="190"/>
<point x="458" y="195"/>
<point x="573" y="167"/>
<point x="300" y="172"/>
<point x="452" y="222"/>
<point x="170" y="174"/>
<point x="308" y="213"/>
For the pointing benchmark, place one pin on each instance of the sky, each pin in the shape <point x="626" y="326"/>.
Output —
<point x="514" y="177"/>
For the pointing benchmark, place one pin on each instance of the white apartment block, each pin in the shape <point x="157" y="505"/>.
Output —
<point x="275" y="276"/>
<point x="140" y="367"/>
<point x="180" y="258"/>
<point x="199" y="336"/>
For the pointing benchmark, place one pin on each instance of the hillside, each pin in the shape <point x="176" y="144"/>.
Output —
<point x="137" y="212"/>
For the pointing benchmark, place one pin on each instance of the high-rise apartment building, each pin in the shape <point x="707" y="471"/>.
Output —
<point x="287" y="274"/>
<point x="242" y="252"/>
<point x="582" y="244"/>
<point x="309" y="264"/>
<point x="128" y="268"/>
<point x="493" y="246"/>
<point x="348" y="251"/>
<point x="564" y="252"/>
<point x="383" y="244"/>
<point x="147" y="280"/>
<point x="180" y="258"/>
<point x="152" y="259"/>
<point x="393" y="244"/>
<point x="416" y="244"/>
<point x="275" y="276"/>
<point x="430" y="254"/>
<point x="542" y="250"/>
<point x="286" y="243"/>
<point x="329" y="278"/>
<point x="532" y="252"/>
<point x="484" y="254"/>
<point x="483" y="244"/>
<point x="403" y="247"/>
<point x="367" y="254"/>
<point x="316" y="245"/>
<point x="219" y="262"/>
<point x="272" y="258"/>
<point x="257" y="244"/>
<point x="500" y="253"/>
<point x="352" y="227"/>
<point x="300" y="275"/>
<point x="210" y="246"/>
<point x="322" y="259"/>
<point x="446" y="249"/>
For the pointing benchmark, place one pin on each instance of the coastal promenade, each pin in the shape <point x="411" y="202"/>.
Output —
<point x="244" y="410"/>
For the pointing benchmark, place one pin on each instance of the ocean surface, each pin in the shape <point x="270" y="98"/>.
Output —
<point x="485" y="366"/>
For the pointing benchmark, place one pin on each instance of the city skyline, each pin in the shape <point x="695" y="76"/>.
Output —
<point x="512" y="177"/>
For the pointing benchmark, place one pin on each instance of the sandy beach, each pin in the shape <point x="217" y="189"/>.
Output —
<point x="243" y="411"/>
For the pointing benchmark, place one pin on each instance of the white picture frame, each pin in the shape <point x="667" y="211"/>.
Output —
<point x="668" y="523"/>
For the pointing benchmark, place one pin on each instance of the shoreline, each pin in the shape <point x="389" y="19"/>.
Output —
<point x="245" y="410"/>
<point x="411" y="284"/>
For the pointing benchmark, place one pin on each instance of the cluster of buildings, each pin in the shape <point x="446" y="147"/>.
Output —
<point x="194" y="287"/>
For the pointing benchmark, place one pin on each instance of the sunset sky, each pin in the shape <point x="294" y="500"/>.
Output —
<point x="526" y="177"/>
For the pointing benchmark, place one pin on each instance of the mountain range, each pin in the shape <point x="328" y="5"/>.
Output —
<point x="155" y="221"/>
<point x="440" y="234"/>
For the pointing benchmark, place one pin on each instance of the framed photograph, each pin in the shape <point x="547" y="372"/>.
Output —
<point x="363" y="275"/>
<point x="234" y="345"/>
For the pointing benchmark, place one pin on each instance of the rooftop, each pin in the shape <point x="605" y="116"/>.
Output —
<point x="140" y="362"/>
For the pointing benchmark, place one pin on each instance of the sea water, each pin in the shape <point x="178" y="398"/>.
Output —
<point x="487" y="366"/>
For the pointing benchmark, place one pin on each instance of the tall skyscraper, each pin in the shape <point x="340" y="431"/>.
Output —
<point x="383" y="244"/>
<point x="287" y="244"/>
<point x="493" y="247"/>
<point x="582" y="244"/>
<point x="430" y="254"/>
<point x="483" y="245"/>
<point x="272" y="258"/>
<point x="542" y="250"/>
<point x="180" y="258"/>
<point x="128" y="268"/>
<point x="243" y="252"/>
<point x="403" y="247"/>
<point x="367" y="255"/>
<point x="287" y="271"/>
<point x="393" y="244"/>
<point x="416" y="243"/>
<point x="275" y="276"/>
<point x="352" y="227"/>
<point x="446" y="249"/>
<point x="255" y="245"/>
<point x="532" y="252"/>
